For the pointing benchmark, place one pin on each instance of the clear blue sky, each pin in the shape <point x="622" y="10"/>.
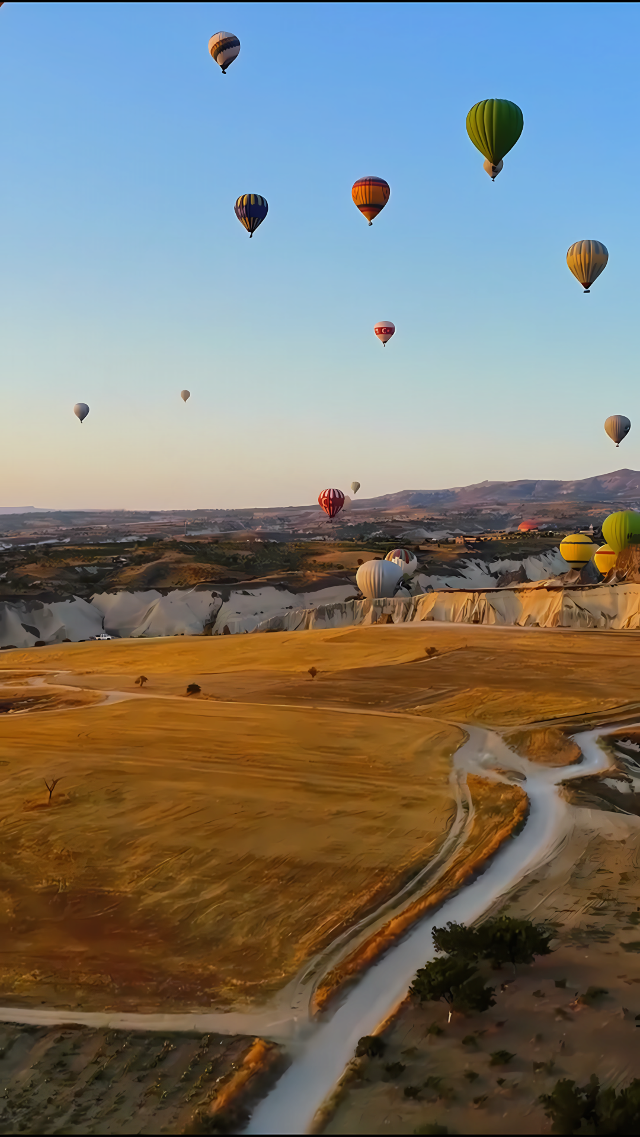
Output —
<point x="125" y="276"/>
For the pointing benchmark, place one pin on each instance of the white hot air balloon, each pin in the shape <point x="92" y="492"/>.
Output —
<point x="355" y="486"/>
<point x="405" y="558"/>
<point x="384" y="330"/>
<point x="378" y="579"/>
<point x="184" y="395"/>
<point x="81" y="411"/>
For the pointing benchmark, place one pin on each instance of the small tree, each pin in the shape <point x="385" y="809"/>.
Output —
<point x="454" y="980"/>
<point x="313" y="671"/>
<point x="589" y="1109"/>
<point x="505" y="939"/>
<point x="193" y="689"/>
<point x="51" y="787"/>
<point x="430" y="651"/>
<point x="457" y="939"/>
<point x="370" y="1046"/>
<point x="141" y="680"/>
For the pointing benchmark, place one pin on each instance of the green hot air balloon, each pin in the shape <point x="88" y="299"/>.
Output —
<point x="621" y="529"/>
<point x="494" y="126"/>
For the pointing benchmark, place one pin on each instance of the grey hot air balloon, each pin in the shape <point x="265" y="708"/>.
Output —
<point x="617" y="427"/>
<point x="184" y="395"/>
<point x="81" y="411"/>
<point x="355" y="486"/>
<point x="378" y="579"/>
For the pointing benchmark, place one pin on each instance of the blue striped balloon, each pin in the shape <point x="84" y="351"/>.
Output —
<point x="251" y="210"/>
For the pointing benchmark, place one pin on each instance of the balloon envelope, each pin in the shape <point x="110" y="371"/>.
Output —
<point x="605" y="558"/>
<point x="81" y="411"/>
<point x="184" y="395"/>
<point x="527" y="526"/>
<point x="494" y="126"/>
<point x="378" y="579"/>
<point x="586" y="260"/>
<point x="407" y="560"/>
<point x="355" y="486"/>
<point x="370" y="195"/>
<point x="617" y="427"/>
<point x="384" y="330"/>
<point x="577" y="549"/>
<point x="620" y="529"/>
<point x="251" y="210"/>
<point x="331" y="501"/>
<point x="224" y="47"/>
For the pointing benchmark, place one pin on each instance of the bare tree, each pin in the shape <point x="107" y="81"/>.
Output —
<point x="51" y="788"/>
<point x="141" y="680"/>
<point x="313" y="671"/>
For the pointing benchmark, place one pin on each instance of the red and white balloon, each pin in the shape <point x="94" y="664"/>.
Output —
<point x="331" y="501"/>
<point x="384" y="330"/>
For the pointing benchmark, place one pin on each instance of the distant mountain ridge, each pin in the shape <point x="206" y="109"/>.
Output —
<point x="619" y="486"/>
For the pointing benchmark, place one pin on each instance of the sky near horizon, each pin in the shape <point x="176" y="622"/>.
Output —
<point x="125" y="276"/>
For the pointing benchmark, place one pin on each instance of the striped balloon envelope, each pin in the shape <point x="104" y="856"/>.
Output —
<point x="384" y="330"/>
<point x="251" y="210"/>
<point x="405" y="558"/>
<point x="224" y="47"/>
<point x="577" y="549"/>
<point x="617" y="427"/>
<point x="370" y="195"/>
<point x="605" y="558"/>
<point x="331" y="501"/>
<point x="586" y="260"/>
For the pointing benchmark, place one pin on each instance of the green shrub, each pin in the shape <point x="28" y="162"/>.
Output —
<point x="590" y="1109"/>
<point x="500" y="1058"/>
<point x="370" y="1046"/>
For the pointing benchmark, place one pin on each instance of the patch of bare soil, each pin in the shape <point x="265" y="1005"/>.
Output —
<point x="573" y="1013"/>
<point x="79" y="1080"/>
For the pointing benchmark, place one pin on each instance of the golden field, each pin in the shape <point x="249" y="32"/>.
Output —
<point x="199" y="851"/>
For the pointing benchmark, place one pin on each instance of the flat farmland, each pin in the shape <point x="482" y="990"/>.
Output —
<point x="197" y="853"/>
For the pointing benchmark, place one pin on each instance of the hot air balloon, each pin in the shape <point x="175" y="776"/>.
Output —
<point x="405" y="558"/>
<point x="378" y="579"/>
<point x="81" y="411"/>
<point x="384" y="330"/>
<point x="184" y="395"/>
<point x="527" y="526"/>
<point x="617" y="427"/>
<point x="577" y="549"/>
<point x="621" y="529"/>
<point x="370" y="195"/>
<point x="355" y="486"/>
<point x="251" y="210"/>
<point x="605" y="558"/>
<point x="331" y="501"/>
<point x="586" y="260"/>
<point x="224" y="47"/>
<point x="492" y="170"/>
<point x="494" y="126"/>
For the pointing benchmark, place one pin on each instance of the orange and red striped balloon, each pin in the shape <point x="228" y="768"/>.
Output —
<point x="370" y="195"/>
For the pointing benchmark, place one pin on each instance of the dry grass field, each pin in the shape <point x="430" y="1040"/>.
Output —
<point x="198" y="851"/>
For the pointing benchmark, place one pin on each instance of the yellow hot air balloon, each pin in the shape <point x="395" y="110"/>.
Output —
<point x="577" y="549"/>
<point x="586" y="260"/>
<point x="605" y="558"/>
